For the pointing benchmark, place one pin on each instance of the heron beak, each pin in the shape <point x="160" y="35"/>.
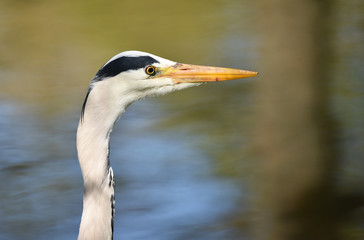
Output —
<point x="187" y="73"/>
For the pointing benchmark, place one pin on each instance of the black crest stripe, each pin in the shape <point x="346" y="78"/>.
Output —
<point x="122" y="64"/>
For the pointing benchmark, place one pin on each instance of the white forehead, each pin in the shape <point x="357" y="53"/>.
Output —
<point x="161" y="60"/>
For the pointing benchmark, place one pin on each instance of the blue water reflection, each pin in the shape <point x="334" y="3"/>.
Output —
<point x="165" y="185"/>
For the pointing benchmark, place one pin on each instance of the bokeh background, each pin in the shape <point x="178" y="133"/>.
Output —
<point x="188" y="164"/>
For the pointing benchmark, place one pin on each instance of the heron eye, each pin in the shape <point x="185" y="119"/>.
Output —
<point x="150" y="70"/>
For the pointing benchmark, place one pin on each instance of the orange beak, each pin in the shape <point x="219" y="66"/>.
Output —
<point x="187" y="73"/>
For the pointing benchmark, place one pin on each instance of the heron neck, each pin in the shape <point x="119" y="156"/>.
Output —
<point x="98" y="199"/>
<point x="93" y="151"/>
<point x="93" y="137"/>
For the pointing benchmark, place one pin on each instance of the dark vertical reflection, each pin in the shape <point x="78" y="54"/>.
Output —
<point x="294" y="133"/>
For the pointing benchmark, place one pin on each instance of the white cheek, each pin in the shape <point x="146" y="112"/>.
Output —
<point x="163" y="86"/>
<point x="157" y="82"/>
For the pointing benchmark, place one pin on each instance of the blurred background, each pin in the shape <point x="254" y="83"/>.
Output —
<point x="221" y="161"/>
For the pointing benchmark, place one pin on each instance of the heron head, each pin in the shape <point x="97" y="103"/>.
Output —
<point x="149" y="74"/>
<point x="131" y="75"/>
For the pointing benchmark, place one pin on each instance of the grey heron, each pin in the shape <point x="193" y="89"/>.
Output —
<point x="124" y="79"/>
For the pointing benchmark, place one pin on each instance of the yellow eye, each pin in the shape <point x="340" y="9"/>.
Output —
<point x="150" y="70"/>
